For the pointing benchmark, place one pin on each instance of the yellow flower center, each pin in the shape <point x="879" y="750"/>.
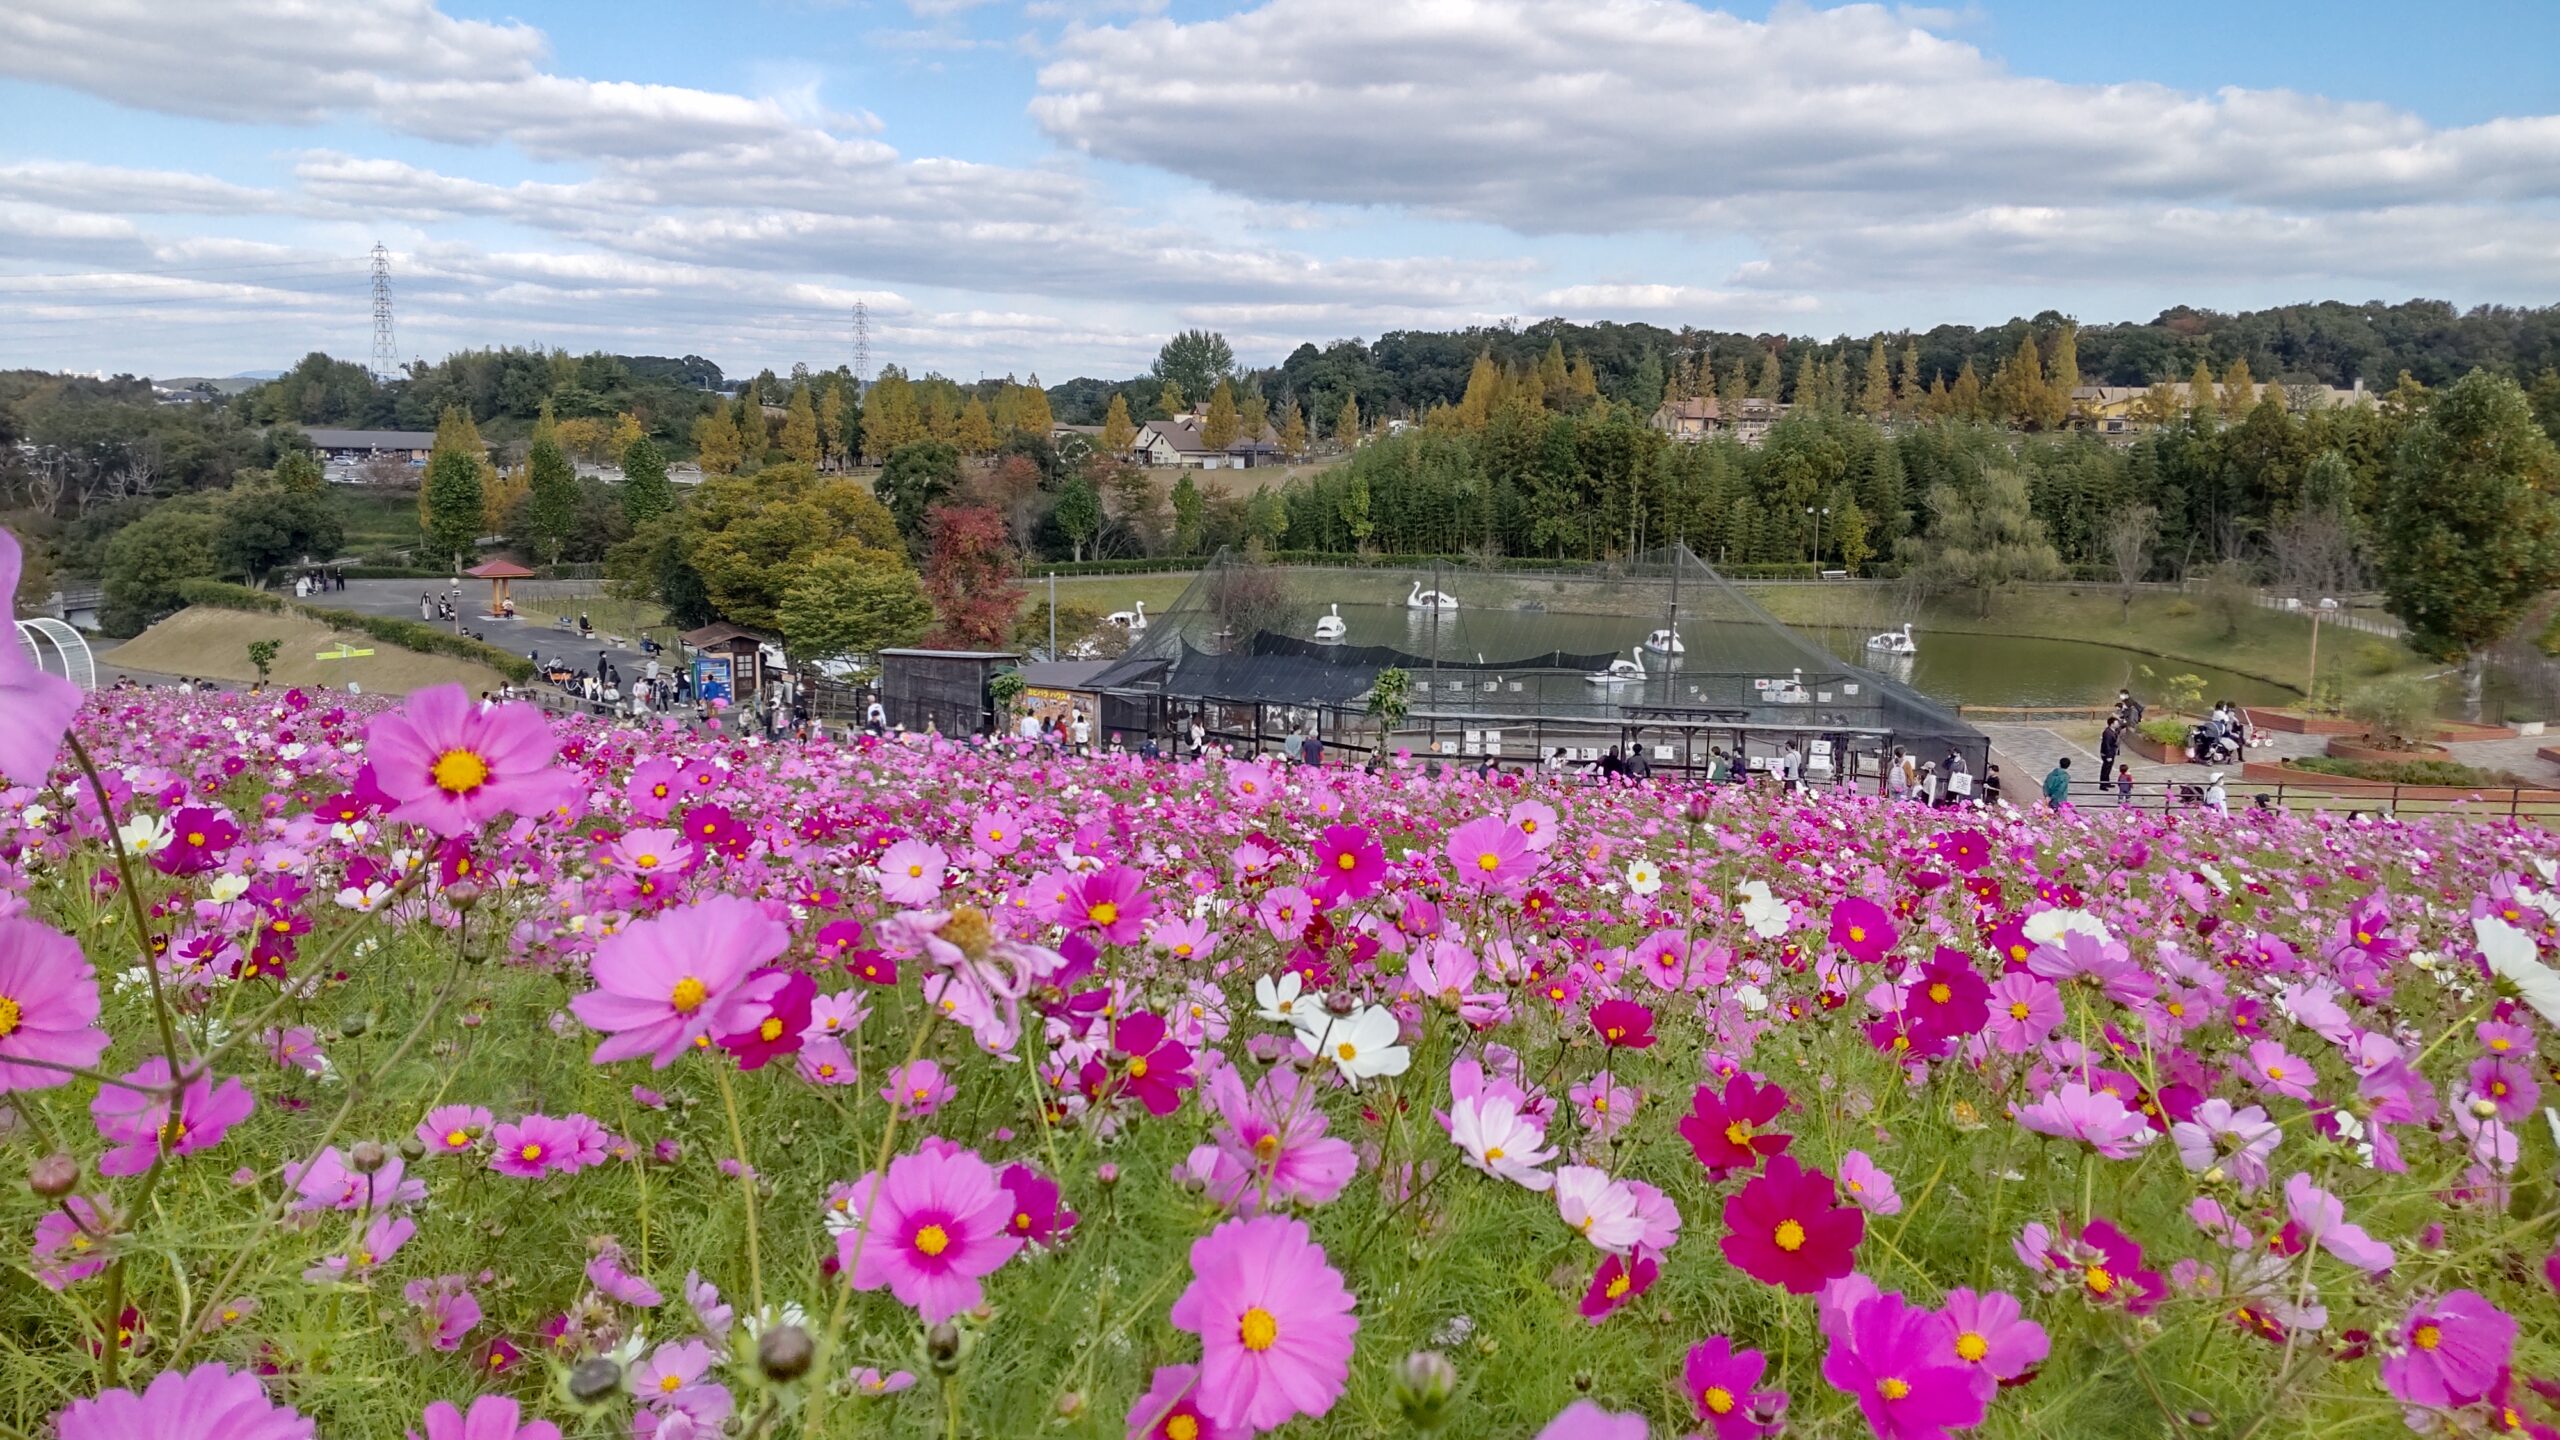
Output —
<point x="1267" y="1148"/>
<point x="1619" y="1285"/>
<point x="771" y="1029"/>
<point x="1971" y="1347"/>
<point x="457" y="1138"/>
<point x="2275" y="1072"/>
<point x="1137" y="1067"/>
<point x="1790" y="1236"/>
<point x="915" y="872"/>
<point x="1892" y="1389"/>
<point x="2017" y="1009"/>
<point x="530" y="1151"/>
<point x="1600" y="1103"/>
<point x="1105" y="913"/>
<point x="459" y="772"/>
<point x="1857" y="934"/>
<point x="1348" y="861"/>
<point x="195" y="837"/>
<point x="688" y="995"/>
<point x="1493" y="1152"/>
<point x="1718" y="1400"/>
<point x="2426" y="1337"/>
<point x="1182" y="1427"/>
<point x="1738" y="1133"/>
<point x="932" y="1240"/>
<point x="1348" y="1051"/>
<point x="1021" y="1219"/>
<point x="2100" y="1279"/>
<point x="670" y="1384"/>
<point x="1489" y="862"/>
<point x="1940" y="993"/>
<point x="1258" y="1330"/>
<point x="10" y="1015"/>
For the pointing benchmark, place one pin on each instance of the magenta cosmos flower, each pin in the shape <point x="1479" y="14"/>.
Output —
<point x="492" y="1417"/>
<point x="1723" y="1383"/>
<point x="688" y="975"/>
<point x="206" y="1403"/>
<point x="1897" y="1362"/>
<point x="2448" y="1351"/>
<point x="48" y="1007"/>
<point x="1992" y="1331"/>
<point x="137" y="1120"/>
<point x="1787" y="1227"/>
<point x="1170" y="1410"/>
<point x="35" y="708"/>
<point x="1348" y="865"/>
<point x="452" y="766"/>
<point x="1623" y="1024"/>
<point x="1490" y="854"/>
<point x="936" y="1225"/>
<point x="1725" y="1130"/>
<point x="1862" y="928"/>
<point x="1583" y="1420"/>
<point x="1274" y="1322"/>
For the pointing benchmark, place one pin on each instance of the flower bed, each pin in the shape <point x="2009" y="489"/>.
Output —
<point x="2294" y="722"/>
<point x="638" y="1083"/>
<point x="2358" y="748"/>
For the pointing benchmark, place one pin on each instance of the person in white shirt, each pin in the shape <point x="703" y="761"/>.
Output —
<point x="1083" y="734"/>
<point x="2216" y="798"/>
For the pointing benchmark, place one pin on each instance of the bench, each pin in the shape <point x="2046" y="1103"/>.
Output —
<point x="1835" y="574"/>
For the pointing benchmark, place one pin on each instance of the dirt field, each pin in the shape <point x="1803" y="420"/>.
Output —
<point x="215" y="644"/>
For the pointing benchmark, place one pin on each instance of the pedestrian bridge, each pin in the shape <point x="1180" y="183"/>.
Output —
<point x="57" y="649"/>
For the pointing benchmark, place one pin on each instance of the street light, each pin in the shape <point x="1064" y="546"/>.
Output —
<point x="2327" y="605"/>
<point x="1817" y="530"/>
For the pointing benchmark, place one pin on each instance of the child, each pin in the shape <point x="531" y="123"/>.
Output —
<point x="2124" y="787"/>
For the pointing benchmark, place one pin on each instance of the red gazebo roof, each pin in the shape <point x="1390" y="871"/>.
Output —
<point x="499" y="570"/>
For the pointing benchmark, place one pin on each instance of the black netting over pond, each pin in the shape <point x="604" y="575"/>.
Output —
<point x="1659" y="643"/>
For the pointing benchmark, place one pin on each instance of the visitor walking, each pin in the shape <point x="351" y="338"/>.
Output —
<point x="2216" y="798"/>
<point x="2057" y="783"/>
<point x="1899" y="775"/>
<point x="2124" y="787"/>
<point x="2110" y="744"/>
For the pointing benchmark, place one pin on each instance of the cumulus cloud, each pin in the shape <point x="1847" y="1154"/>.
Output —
<point x="1611" y="115"/>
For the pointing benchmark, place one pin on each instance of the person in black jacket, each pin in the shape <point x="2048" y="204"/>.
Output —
<point x="2110" y="745"/>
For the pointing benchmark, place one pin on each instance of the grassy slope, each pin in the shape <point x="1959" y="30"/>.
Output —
<point x="215" y="643"/>
<point x="375" y="519"/>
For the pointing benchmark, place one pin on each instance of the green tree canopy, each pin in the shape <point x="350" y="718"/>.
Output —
<point x="551" y="499"/>
<point x="847" y="602"/>
<point x="918" y="476"/>
<point x="646" y="491"/>
<point x="1194" y="361"/>
<point x="174" y="541"/>
<point x="453" y="495"/>
<point x="2469" y="534"/>
<point x="267" y="527"/>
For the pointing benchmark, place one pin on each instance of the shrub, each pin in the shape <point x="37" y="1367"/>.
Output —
<point x="2398" y="715"/>
<point x="2375" y="658"/>
<point x="2412" y="772"/>
<point x="2181" y="609"/>
<point x="2172" y="733"/>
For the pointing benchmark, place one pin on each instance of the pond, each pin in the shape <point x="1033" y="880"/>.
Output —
<point x="1952" y="667"/>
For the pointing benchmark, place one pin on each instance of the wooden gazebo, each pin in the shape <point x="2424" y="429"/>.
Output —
<point x="500" y="574"/>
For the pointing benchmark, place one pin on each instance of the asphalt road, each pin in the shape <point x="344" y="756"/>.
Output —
<point x="535" y="639"/>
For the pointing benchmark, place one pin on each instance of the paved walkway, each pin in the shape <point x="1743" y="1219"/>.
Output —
<point x="528" y="637"/>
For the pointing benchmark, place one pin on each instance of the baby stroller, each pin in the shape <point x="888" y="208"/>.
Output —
<point x="2212" y="744"/>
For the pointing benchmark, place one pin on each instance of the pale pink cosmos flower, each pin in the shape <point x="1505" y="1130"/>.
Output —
<point x="1273" y="1144"/>
<point x="1599" y="1209"/>
<point x="929" y="1230"/>
<point x="1868" y="1184"/>
<point x="2024" y="1010"/>
<point x="35" y="708"/>
<point x="911" y="873"/>
<point x="137" y="1120"/>
<point x="2096" y="1118"/>
<point x="1496" y="1139"/>
<point x="2238" y="1140"/>
<point x="491" y="1417"/>
<point x="206" y="1403"/>
<point x="919" y="1089"/>
<point x="2322" y="1218"/>
<point x="1274" y="1322"/>
<point x="2274" y="1069"/>
<point x="671" y="1381"/>
<point x="1604" y="1104"/>
<point x="452" y="766"/>
<point x="447" y="1311"/>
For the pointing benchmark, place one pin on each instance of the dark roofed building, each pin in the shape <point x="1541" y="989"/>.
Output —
<point x="409" y="445"/>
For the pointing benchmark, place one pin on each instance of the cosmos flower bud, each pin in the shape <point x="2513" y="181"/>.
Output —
<point x="785" y="1353"/>
<point x="1070" y="1404"/>
<point x="942" y="1348"/>
<point x="367" y="1156"/>
<point x="462" y="894"/>
<point x="1107" y="1174"/>
<point x="595" y="1381"/>
<point x="412" y="1148"/>
<point x="1697" y="811"/>
<point x="2484" y="1108"/>
<point x="354" y="1023"/>
<point x="54" y="1176"/>
<point x="1424" y="1383"/>
<point x="1340" y="1004"/>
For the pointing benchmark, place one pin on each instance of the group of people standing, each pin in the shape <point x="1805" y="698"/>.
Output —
<point x="314" y="582"/>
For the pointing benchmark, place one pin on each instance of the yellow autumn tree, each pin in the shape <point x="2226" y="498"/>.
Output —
<point x="1218" y="427"/>
<point x="1346" y="425"/>
<point x="800" y="427"/>
<point x="1031" y="414"/>
<point x="973" y="431"/>
<point x="715" y="442"/>
<point x="1119" y="432"/>
<point x="890" y="417"/>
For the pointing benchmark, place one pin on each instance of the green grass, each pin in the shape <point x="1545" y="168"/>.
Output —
<point x="377" y="521"/>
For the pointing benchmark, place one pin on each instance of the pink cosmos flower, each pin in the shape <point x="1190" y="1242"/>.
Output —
<point x="688" y="975"/>
<point x="1113" y="903"/>
<point x="1154" y="1069"/>
<point x="1604" y="1104"/>
<point x="532" y="1147"/>
<point x="2024" y="1009"/>
<point x="2448" y="1351"/>
<point x="1787" y="1227"/>
<point x="492" y="1417"/>
<point x="2322" y="1219"/>
<point x="1498" y="1140"/>
<point x="911" y="873"/>
<point x="2505" y="1085"/>
<point x="2100" y="1261"/>
<point x="870" y="1383"/>
<point x="453" y="767"/>
<point x="2096" y="1118"/>
<point x="2278" y="1071"/>
<point x="1349" y="864"/>
<point x="381" y="1240"/>
<point x="1170" y="1410"/>
<point x="453" y="1129"/>
<point x="605" y="1272"/>
<point x="1274" y="1322"/>
<point x="35" y="708"/>
<point x="1623" y="1024"/>
<point x="1991" y="1331"/>
<point x="919" y="1089"/>
<point x="936" y="1225"/>
<point x="1868" y="1185"/>
<point x="48" y="996"/>
<point x="1721" y="1381"/>
<point x="1273" y="1143"/>
<point x="1038" y="1216"/>
<point x="447" y="1310"/>
<point x="2238" y="1140"/>
<point x="1490" y="855"/>
<point x="69" y="1243"/>
<point x="330" y="1183"/>
<point x="136" y="1118"/>
<point x="1862" y="928"/>
<point x="206" y="1403"/>
<point x="1583" y="1420"/>
<point x="1536" y="822"/>
<point x="1599" y="1209"/>
<point x="1898" y="1362"/>
<point x="670" y="1381"/>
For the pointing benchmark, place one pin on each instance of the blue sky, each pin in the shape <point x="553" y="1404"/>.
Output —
<point x="1051" y="186"/>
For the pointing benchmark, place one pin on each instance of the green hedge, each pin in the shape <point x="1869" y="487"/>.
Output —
<point x="390" y="630"/>
<point x="2169" y="731"/>
<point x="2412" y="772"/>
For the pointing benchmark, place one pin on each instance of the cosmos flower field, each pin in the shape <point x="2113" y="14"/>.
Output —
<point x="424" y="1068"/>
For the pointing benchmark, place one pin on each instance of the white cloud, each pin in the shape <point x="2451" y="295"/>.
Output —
<point x="1810" y="133"/>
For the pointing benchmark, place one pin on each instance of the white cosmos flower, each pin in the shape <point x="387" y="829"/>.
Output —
<point x="1765" y="913"/>
<point x="35" y="816"/>
<point x="1753" y="998"/>
<point x="2513" y="959"/>
<point x="1284" y="999"/>
<point x="146" y="835"/>
<point x="1500" y="1141"/>
<point x="227" y="888"/>
<point x="2045" y="927"/>
<point x="1644" y="877"/>
<point x="1360" y="1045"/>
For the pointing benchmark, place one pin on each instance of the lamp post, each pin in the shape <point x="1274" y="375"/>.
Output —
<point x="2311" y="690"/>
<point x="1817" y="530"/>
